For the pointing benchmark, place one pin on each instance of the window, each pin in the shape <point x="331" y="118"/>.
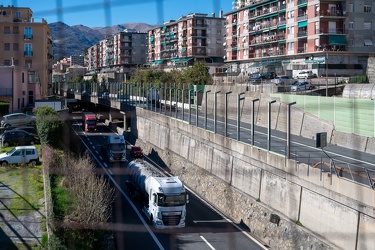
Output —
<point x="351" y="7"/>
<point x="15" y="62"/>
<point x="351" y="25"/>
<point x="23" y="77"/>
<point x="6" y="46"/>
<point x="28" y="49"/>
<point x="18" y="14"/>
<point x="291" y="30"/>
<point x="7" y="62"/>
<point x="291" y="46"/>
<point x="367" y="26"/>
<point x="367" y="8"/>
<point x="16" y="30"/>
<point x="28" y="64"/>
<point x="15" y="46"/>
<point x="28" y="33"/>
<point x="6" y="30"/>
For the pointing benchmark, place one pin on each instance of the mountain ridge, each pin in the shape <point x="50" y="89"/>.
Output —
<point x="73" y="40"/>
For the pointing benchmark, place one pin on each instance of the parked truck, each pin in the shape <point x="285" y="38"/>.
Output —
<point x="88" y="122"/>
<point x="164" y="198"/>
<point x="114" y="148"/>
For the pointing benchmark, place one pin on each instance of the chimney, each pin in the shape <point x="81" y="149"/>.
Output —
<point x="213" y="14"/>
<point x="221" y="13"/>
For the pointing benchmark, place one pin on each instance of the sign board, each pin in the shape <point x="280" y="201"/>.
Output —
<point x="321" y="139"/>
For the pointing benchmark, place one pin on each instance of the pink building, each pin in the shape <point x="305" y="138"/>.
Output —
<point x="18" y="87"/>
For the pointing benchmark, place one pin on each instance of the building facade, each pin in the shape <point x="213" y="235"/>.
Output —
<point x="26" y="43"/>
<point x="195" y="37"/>
<point x="120" y="52"/>
<point x="286" y="36"/>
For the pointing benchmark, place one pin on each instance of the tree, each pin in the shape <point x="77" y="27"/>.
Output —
<point x="198" y="74"/>
<point x="49" y="126"/>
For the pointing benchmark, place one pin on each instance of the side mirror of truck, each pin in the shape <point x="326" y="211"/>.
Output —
<point x="187" y="198"/>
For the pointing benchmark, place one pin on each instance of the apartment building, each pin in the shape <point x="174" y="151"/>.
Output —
<point x="194" y="37"/>
<point x="327" y="36"/>
<point x="121" y="52"/>
<point x="26" y="46"/>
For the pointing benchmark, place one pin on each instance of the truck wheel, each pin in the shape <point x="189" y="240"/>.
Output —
<point x="4" y="164"/>
<point x="33" y="162"/>
<point x="151" y="219"/>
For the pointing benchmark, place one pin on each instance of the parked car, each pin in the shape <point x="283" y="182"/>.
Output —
<point x="256" y="78"/>
<point x="18" y="137"/>
<point x="20" y="155"/>
<point x="18" y="119"/>
<point x="306" y="74"/>
<point x="301" y="86"/>
<point x="136" y="152"/>
<point x="284" y="80"/>
<point x="29" y="129"/>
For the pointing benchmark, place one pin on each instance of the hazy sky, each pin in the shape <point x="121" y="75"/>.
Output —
<point x="101" y="13"/>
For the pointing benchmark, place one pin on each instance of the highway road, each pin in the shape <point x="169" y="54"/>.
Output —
<point x="206" y="228"/>
<point x="354" y="165"/>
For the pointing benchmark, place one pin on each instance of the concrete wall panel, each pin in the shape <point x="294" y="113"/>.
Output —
<point x="332" y="220"/>
<point x="222" y="165"/>
<point x="348" y="140"/>
<point x="370" y="147"/>
<point x="312" y="125"/>
<point x="246" y="177"/>
<point x="281" y="194"/>
<point x="366" y="232"/>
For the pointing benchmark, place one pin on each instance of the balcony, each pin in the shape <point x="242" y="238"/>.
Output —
<point x="26" y="37"/>
<point x="302" y="33"/>
<point x="28" y="53"/>
<point x="328" y="13"/>
<point x="302" y="18"/>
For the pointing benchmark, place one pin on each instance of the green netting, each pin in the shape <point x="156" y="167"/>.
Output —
<point x="348" y="114"/>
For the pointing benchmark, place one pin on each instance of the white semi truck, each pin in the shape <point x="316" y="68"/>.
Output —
<point x="114" y="148"/>
<point x="164" y="198"/>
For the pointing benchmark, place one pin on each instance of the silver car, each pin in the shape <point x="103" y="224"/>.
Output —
<point x="17" y="120"/>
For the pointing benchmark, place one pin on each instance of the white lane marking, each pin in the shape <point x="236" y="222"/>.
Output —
<point x="105" y="164"/>
<point x="157" y="242"/>
<point x="208" y="243"/>
<point x="110" y="172"/>
<point x="209" y="221"/>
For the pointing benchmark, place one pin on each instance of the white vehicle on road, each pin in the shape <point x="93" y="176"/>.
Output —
<point x="284" y="80"/>
<point x="300" y="86"/>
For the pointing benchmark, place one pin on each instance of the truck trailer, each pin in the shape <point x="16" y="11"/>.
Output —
<point x="164" y="198"/>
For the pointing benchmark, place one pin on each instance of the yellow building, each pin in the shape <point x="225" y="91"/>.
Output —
<point x="27" y="43"/>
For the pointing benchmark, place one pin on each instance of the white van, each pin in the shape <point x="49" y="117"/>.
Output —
<point x="20" y="155"/>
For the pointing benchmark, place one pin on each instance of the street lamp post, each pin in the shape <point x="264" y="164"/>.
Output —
<point x="253" y="120"/>
<point x="183" y="102"/>
<point x="205" y="114"/>
<point x="269" y="125"/>
<point x="215" y="111"/>
<point x="226" y="112"/>
<point x="189" y="91"/>
<point x="177" y="99"/>
<point x="288" y="130"/>
<point x="239" y="99"/>
<point x="196" y="107"/>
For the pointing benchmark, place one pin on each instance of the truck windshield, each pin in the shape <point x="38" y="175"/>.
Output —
<point x="91" y="122"/>
<point x="118" y="146"/>
<point x="171" y="200"/>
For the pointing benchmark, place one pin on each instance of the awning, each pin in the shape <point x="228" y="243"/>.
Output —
<point x="158" y="61"/>
<point x="315" y="61"/>
<point x="302" y="24"/>
<point x="368" y="42"/>
<point x="281" y="27"/>
<point x="337" y="40"/>
<point x="253" y="8"/>
<point x="185" y="60"/>
<point x="175" y="60"/>
<point x="282" y="41"/>
<point x="164" y="28"/>
<point x="183" y="49"/>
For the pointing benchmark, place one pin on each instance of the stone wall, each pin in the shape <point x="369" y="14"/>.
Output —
<point x="318" y="210"/>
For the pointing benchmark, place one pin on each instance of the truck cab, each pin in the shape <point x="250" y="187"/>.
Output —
<point x="88" y="122"/>
<point x="115" y="148"/>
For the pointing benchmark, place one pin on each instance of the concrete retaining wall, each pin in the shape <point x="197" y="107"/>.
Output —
<point x="233" y="176"/>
